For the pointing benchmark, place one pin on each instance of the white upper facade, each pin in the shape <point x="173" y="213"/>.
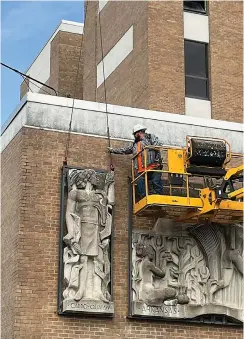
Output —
<point x="40" y="68"/>
<point x="90" y="118"/>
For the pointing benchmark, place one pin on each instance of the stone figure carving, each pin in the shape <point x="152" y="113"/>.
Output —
<point x="196" y="272"/>
<point x="144" y="274"/>
<point x="89" y="221"/>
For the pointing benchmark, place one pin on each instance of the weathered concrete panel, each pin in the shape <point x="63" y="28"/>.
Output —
<point x="54" y="113"/>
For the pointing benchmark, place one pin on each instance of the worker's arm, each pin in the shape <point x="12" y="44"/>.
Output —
<point x="124" y="150"/>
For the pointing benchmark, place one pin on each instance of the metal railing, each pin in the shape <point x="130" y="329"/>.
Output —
<point x="187" y="187"/>
<point x="135" y="176"/>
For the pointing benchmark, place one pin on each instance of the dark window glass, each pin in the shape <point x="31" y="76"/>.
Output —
<point x="197" y="88"/>
<point x="195" y="6"/>
<point x="195" y="59"/>
<point x="196" y="69"/>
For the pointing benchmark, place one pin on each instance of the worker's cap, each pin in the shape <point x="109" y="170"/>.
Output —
<point x="138" y="128"/>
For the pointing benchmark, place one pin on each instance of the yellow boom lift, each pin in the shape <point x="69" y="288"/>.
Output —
<point x="198" y="184"/>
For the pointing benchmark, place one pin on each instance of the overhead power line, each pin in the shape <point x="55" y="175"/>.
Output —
<point x="28" y="77"/>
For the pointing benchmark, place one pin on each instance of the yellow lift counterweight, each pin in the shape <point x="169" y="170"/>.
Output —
<point x="219" y="199"/>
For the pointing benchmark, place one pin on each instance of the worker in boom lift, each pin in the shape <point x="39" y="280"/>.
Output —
<point x="143" y="139"/>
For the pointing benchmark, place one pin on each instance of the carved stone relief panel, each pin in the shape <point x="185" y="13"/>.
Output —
<point x="185" y="272"/>
<point x="86" y="285"/>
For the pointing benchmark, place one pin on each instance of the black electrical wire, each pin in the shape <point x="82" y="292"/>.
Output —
<point x="24" y="76"/>
<point x="28" y="77"/>
<point x="31" y="79"/>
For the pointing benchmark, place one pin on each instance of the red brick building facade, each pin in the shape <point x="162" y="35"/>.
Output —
<point x="32" y="159"/>
<point x="59" y="64"/>
<point x="150" y="75"/>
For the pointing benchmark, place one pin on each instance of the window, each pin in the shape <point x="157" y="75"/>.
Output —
<point x="196" y="70"/>
<point x="195" y="6"/>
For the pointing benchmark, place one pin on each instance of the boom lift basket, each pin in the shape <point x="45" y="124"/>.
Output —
<point x="197" y="186"/>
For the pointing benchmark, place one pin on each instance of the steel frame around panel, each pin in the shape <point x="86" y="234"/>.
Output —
<point x="63" y="185"/>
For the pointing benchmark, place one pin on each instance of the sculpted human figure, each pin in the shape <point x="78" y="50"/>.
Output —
<point x="176" y="275"/>
<point x="88" y="220"/>
<point x="146" y="271"/>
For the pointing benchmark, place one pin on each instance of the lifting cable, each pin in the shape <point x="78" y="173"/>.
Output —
<point x="105" y="96"/>
<point x="105" y="93"/>
<point x="26" y="82"/>
<point x="65" y="161"/>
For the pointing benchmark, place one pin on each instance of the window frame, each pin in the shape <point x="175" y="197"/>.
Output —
<point x="207" y="79"/>
<point x="195" y="11"/>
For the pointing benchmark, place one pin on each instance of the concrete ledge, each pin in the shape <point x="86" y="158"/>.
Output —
<point x="54" y="113"/>
<point x="88" y="306"/>
<point x="184" y="311"/>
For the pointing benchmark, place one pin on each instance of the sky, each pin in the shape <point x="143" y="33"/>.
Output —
<point x="25" y="28"/>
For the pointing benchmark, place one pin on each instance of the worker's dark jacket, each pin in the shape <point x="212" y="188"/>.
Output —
<point x="153" y="156"/>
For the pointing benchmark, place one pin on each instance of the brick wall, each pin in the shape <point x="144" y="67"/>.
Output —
<point x="70" y="60"/>
<point x="166" y="56"/>
<point x="128" y="84"/>
<point x="152" y="76"/>
<point x="66" y="67"/>
<point x="226" y="58"/>
<point x="89" y="48"/>
<point x="11" y="204"/>
<point x="36" y="294"/>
